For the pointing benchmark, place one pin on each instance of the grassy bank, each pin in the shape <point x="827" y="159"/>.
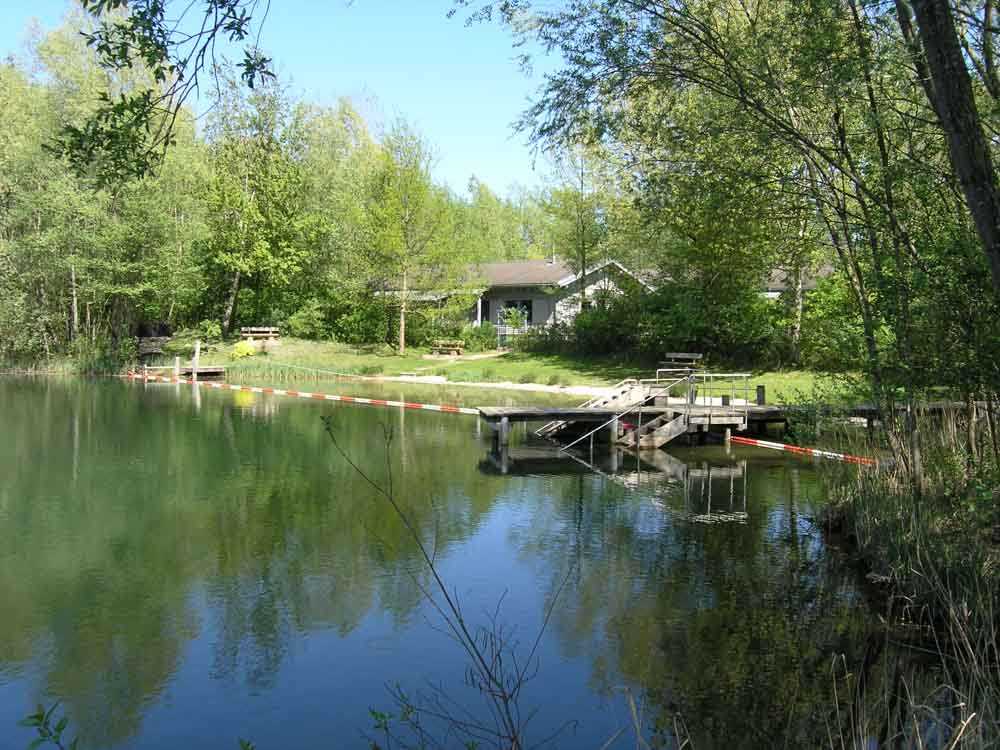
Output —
<point x="300" y="360"/>
<point x="934" y="551"/>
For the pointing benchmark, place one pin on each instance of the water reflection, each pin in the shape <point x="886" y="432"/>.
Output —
<point x="181" y="567"/>
<point x="699" y="490"/>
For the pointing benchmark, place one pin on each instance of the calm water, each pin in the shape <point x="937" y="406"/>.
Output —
<point x="182" y="570"/>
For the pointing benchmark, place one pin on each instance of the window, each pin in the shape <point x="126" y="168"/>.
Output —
<point x="524" y="305"/>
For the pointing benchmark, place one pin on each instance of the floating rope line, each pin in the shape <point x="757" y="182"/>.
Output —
<point x="845" y="457"/>
<point x="447" y="408"/>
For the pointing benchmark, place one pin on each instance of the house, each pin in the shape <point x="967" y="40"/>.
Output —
<point x="780" y="280"/>
<point x="545" y="291"/>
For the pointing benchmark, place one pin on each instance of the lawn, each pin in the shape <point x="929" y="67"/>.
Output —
<point x="300" y="360"/>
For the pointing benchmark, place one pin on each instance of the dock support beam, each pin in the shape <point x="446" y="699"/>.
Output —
<point x="504" y="432"/>
<point x="761" y="396"/>
<point x="194" y="361"/>
<point x="613" y="433"/>
<point x="177" y="367"/>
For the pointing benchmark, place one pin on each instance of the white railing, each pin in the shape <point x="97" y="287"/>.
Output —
<point x="618" y="389"/>
<point x="652" y="395"/>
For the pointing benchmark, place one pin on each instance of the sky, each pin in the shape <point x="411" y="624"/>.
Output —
<point x="459" y="86"/>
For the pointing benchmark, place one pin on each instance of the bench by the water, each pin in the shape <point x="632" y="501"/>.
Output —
<point x="681" y="359"/>
<point x="260" y="333"/>
<point x="448" y="346"/>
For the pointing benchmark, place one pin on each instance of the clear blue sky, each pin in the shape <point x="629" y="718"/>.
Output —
<point x="460" y="86"/>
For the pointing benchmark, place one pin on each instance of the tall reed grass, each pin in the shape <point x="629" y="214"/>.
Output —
<point x="931" y="542"/>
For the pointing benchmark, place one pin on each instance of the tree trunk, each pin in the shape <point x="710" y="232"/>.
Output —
<point x="402" y="316"/>
<point x="953" y="99"/>
<point x="230" y="312"/>
<point x="74" y="304"/>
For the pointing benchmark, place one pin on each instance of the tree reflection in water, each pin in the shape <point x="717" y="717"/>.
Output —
<point x="138" y="526"/>
<point x="699" y="582"/>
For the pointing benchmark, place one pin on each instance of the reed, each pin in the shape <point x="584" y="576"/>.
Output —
<point x="930" y="541"/>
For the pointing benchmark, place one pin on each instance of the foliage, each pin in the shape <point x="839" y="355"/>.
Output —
<point x="479" y="338"/>
<point x="243" y="349"/>
<point x="740" y="329"/>
<point x="125" y="135"/>
<point x="49" y="733"/>
<point x="210" y="330"/>
<point x="309" y="321"/>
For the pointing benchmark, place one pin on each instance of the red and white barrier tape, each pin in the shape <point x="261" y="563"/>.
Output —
<point x="306" y="394"/>
<point x="846" y="457"/>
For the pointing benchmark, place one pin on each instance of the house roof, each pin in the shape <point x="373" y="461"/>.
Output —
<point x="524" y="273"/>
<point x="541" y="273"/>
<point x="779" y="279"/>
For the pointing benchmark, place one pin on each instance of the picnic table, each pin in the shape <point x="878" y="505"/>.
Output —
<point x="448" y="346"/>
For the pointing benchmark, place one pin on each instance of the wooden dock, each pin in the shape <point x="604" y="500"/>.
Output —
<point x="657" y="424"/>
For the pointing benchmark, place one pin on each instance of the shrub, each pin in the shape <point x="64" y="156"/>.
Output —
<point x="309" y="322"/>
<point x="370" y="370"/>
<point x="209" y="330"/>
<point x="528" y="377"/>
<point x="554" y="380"/>
<point x="243" y="349"/>
<point x="479" y="338"/>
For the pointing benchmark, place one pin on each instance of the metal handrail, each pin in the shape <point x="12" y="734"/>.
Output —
<point x="617" y="389"/>
<point x="630" y="409"/>
<point x="709" y="379"/>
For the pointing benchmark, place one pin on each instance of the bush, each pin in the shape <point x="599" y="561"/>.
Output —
<point x="370" y="370"/>
<point x="528" y="377"/>
<point x="243" y="349"/>
<point x="554" y="380"/>
<point x="209" y="330"/>
<point x="309" y="322"/>
<point x="479" y="338"/>
<point x="363" y="323"/>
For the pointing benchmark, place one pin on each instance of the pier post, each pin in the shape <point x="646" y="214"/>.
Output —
<point x="194" y="360"/>
<point x="177" y="367"/>
<point x="729" y="435"/>
<point x="613" y="431"/>
<point x="504" y="432"/>
<point x="761" y="396"/>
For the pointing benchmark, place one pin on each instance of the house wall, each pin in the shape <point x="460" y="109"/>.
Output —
<point x="542" y="304"/>
<point x="568" y="305"/>
<point x="550" y="306"/>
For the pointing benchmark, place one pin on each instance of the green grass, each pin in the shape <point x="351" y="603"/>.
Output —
<point x="301" y="360"/>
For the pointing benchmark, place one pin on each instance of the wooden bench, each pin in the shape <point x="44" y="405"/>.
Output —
<point x="263" y="333"/>
<point x="687" y="360"/>
<point x="448" y="346"/>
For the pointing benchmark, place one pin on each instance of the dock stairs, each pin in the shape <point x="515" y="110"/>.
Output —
<point x="706" y="401"/>
<point x="657" y="432"/>
<point x="626" y="394"/>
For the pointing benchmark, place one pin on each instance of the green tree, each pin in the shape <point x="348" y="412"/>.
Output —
<point x="412" y="223"/>
<point x="261" y="238"/>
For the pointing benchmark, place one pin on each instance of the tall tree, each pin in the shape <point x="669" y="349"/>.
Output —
<point x="411" y="221"/>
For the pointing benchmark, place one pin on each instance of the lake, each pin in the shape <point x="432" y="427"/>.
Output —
<point x="181" y="570"/>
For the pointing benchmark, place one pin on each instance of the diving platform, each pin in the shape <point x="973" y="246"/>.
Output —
<point x="646" y="413"/>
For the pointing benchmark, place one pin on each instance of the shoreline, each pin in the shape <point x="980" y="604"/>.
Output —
<point x="586" y="391"/>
